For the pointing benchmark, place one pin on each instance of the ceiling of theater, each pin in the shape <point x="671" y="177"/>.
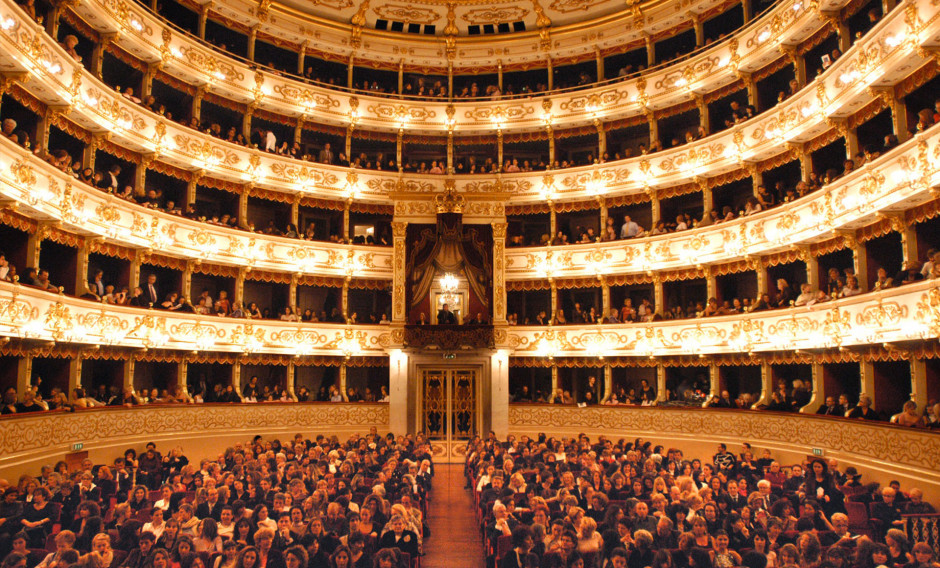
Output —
<point x="463" y="13"/>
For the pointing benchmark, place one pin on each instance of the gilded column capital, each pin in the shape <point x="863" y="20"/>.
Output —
<point x="499" y="230"/>
<point x="399" y="229"/>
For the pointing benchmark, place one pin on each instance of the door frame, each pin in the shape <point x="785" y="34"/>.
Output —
<point x="451" y="451"/>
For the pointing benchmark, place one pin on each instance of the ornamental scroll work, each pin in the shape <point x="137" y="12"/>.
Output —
<point x="908" y="449"/>
<point x="739" y="142"/>
<point x="38" y="432"/>
<point x="896" y="315"/>
<point x="904" y="314"/>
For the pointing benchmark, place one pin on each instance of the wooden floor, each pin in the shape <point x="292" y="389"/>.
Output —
<point x="455" y="538"/>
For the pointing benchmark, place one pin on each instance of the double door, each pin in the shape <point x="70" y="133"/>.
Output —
<point x="449" y="410"/>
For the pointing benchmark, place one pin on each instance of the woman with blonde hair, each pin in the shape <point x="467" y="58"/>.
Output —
<point x="589" y="540"/>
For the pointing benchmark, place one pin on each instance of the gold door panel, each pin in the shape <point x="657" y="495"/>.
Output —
<point x="449" y="412"/>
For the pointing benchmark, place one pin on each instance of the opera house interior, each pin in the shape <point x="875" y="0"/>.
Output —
<point x="270" y="267"/>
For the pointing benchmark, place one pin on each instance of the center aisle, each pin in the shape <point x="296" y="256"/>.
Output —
<point x="455" y="537"/>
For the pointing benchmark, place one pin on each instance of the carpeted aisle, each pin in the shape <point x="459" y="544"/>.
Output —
<point x="455" y="538"/>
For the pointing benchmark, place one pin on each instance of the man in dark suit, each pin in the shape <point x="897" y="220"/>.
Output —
<point x="445" y="316"/>
<point x="151" y="292"/>
<point x="831" y="408"/>
<point x="211" y="506"/>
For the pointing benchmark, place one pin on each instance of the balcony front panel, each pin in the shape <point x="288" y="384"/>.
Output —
<point x="910" y="313"/>
<point x="149" y="38"/>
<point x="885" y="56"/>
<point x="43" y="192"/>
<point x="895" y="315"/>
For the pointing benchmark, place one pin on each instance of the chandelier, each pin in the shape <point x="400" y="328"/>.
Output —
<point x="449" y="284"/>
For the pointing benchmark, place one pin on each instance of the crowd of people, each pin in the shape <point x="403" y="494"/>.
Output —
<point x="837" y="284"/>
<point x="320" y="503"/>
<point x="552" y="502"/>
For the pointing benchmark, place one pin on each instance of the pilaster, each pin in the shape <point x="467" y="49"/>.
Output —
<point x="499" y="273"/>
<point x="499" y="393"/>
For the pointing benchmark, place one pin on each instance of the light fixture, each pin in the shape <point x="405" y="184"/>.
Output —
<point x="449" y="285"/>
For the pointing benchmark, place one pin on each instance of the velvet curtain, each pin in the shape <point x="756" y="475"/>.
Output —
<point x="447" y="250"/>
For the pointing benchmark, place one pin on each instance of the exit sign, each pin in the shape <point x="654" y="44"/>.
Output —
<point x="77" y="446"/>
<point x="817" y="451"/>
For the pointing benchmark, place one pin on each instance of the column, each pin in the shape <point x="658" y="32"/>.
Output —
<point x="605" y="296"/>
<point x="499" y="74"/>
<point x="699" y="30"/>
<point x="238" y="296"/>
<point x="302" y="57"/>
<point x="187" y="284"/>
<point x="398" y="399"/>
<point x="751" y="88"/>
<point x="868" y="379"/>
<point x="246" y="123"/>
<point x="748" y="7"/>
<point x="708" y="197"/>
<point x="289" y="382"/>
<point x="499" y="272"/>
<point x="659" y="296"/>
<point x="146" y="85"/>
<point x="656" y="210"/>
<point x="919" y="383"/>
<point x="654" y="127"/>
<point x="554" y="297"/>
<point x="243" y="208"/>
<point x="128" y="374"/>
<point x="660" y="383"/>
<point x="860" y="260"/>
<point x="252" y="40"/>
<point x="450" y="81"/>
<point x="812" y="269"/>
<point x="43" y="124"/>
<point x="398" y="146"/>
<point x="81" y="268"/>
<point x="499" y="393"/>
<point x="499" y="149"/>
<point x="342" y="381"/>
<point x="97" y="52"/>
<point x="299" y="129"/>
<point x="346" y="227"/>
<point x="650" y="50"/>
<point x="295" y="212"/>
<point x="600" y="63"/>
<point x="348" y="145"/>
<point x="888" y="5"/>
<point x="134" y="277"/>
<point x="344" y="302"/>
<point x="601" y="141"/>
<point x="399" y="258"/>
<point x="292" y="292"/>
<point x="34" y="246"/>
<point x="842" y="28"/>
<point x="799" y="64"/>
<point x="401" y="78"/>
<point x="851" y="143"/>
<point x="190" y="197"/>
<point x="608" y="383"/>
<point x="551" y="146"/>
<point x="908" y="240"/>
<point x="762" y="280"/>
<point x="24" y="375"/>
<point x="767" y="385"/>
<point x="757" y="178"/>
<point x="237" y="378"/>
<point x="819" y="389"/>
<point x="203" y="18"/>
<point x="450" y="151"/>
<point x="604" y="213"/>
<point x="75" y="373"/>
<point x="703" y="116"/>
<point x="711" y="283"/>
<point x="554" y="380"/>
<point x="714" y="380"/>
<point x="349" y="72"/>
<point x="552" y="221"/>
<point x="196" y="110"/>
<point x="140" y="171"/>
<point x="551" y="72"/>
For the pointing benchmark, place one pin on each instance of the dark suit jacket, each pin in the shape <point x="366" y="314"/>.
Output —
<point x="407" y="543"/>
<point x="446" y="317"/>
